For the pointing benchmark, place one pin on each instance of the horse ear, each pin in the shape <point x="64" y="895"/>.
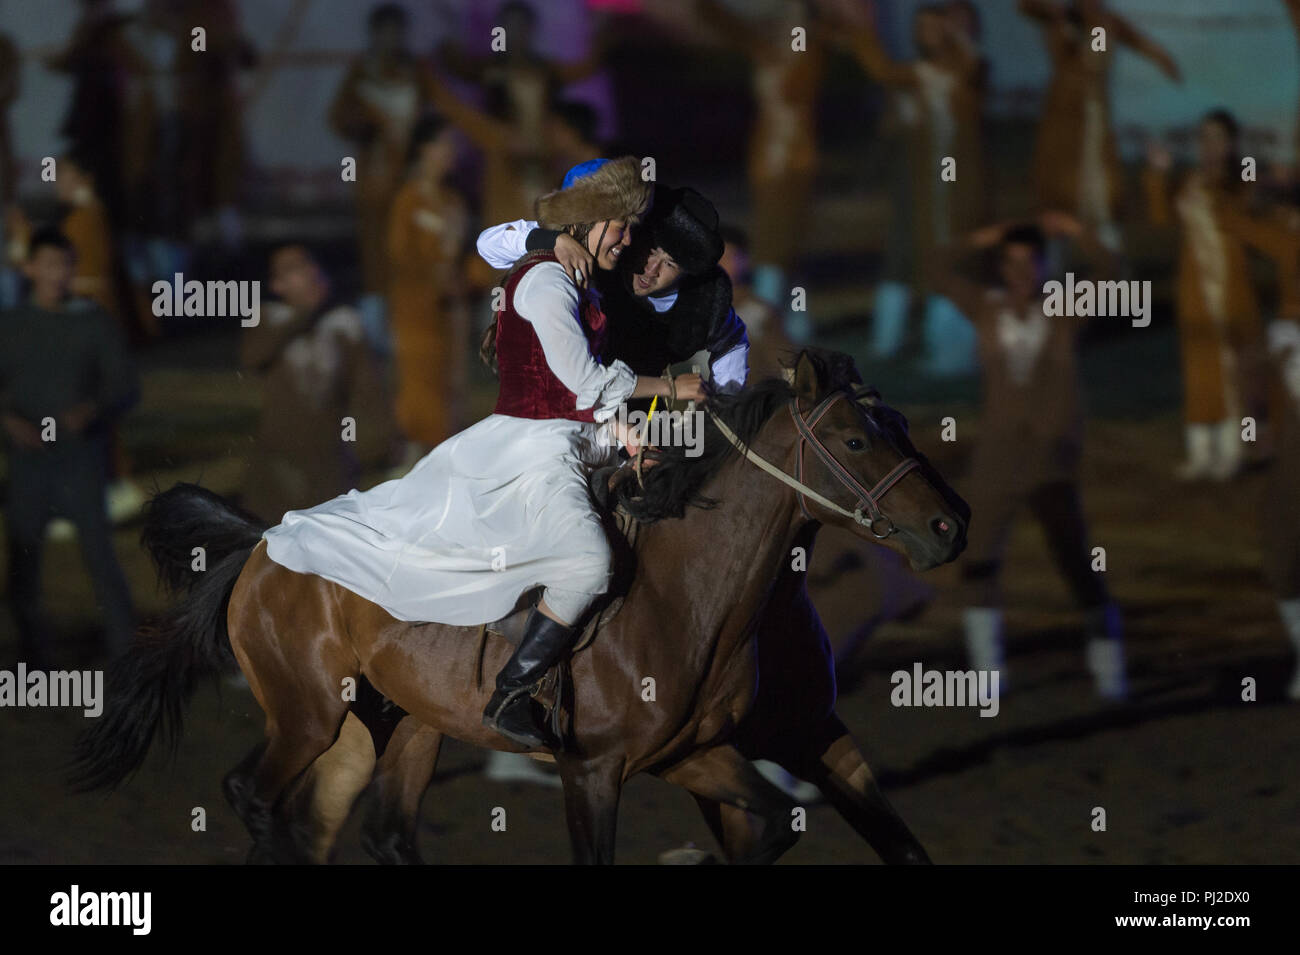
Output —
<point x="805" y="381"/>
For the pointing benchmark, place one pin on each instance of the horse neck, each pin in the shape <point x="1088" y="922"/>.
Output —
<point x="738" y="548"/>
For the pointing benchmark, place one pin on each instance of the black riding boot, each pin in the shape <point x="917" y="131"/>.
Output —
<point x="512" y="711"/>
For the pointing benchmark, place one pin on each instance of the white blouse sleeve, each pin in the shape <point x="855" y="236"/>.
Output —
<point x="501" y="245"/>
<point x="547" y="299"/>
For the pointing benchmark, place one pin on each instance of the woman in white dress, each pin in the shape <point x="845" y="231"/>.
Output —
<point x="503" y="507"/>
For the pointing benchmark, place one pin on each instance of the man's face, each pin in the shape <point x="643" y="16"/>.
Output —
<point x="50" y="270"/>
<point x="1021" y="270"/>
<point x="296" y="279"/>
<point x="659" y="274"/>
<point x="614" y="235"/>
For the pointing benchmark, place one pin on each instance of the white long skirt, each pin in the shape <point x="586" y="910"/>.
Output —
<point x="489" y="514"/>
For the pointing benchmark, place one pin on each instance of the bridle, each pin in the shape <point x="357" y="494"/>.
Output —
<point x="868" y="512"/>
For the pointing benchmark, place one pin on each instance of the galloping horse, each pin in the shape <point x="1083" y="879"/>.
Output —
<point x="690" y="621"/>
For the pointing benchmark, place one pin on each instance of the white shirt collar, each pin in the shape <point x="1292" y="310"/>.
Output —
<point x="661" y="303"/>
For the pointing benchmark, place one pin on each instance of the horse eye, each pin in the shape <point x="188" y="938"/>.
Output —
<point x="855" y="444"/>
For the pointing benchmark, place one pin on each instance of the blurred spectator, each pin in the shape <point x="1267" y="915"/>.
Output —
<point x="1030" y="441"/>
<point x="317" y="370"/>
<point x="376" y="109"/>
<point x="783" y="145"/>
<point x="426" y="240"/>
<point x="571" y="136"/>
<point x="1218" y="315"/>
<point x="937" y="115"/>
<point x="156" y="223"/>
<point x="212" y="114"/>
<point x="57" y="405"/>
<point x="1076" y="160"/>
<point x="100" y="61"/>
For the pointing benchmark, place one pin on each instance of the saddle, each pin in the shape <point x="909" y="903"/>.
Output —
<point x="622" y="530"/>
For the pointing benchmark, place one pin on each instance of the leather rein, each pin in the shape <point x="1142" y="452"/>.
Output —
<point x="868" y="512"/>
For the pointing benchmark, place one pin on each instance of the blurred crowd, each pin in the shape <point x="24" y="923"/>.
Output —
<point x="459" y="138"/>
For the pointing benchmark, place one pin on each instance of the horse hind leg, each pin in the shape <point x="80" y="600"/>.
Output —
<point x="390" y="833"/>
<point x="317" y="805"/>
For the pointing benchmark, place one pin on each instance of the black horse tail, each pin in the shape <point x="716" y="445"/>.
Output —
<point x="150" y="685"/>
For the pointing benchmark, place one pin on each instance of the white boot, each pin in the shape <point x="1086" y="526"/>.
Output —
<point x="1228" y="450"/>
<point x="1200" y="453"/>
<point x="983" y="627"/>
<point x="1105" y="652"/>
<point x="801" y="791"/>
<point x="1290" y="612"/>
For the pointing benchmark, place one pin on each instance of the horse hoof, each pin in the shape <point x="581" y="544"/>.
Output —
<point x="687" y="855"/>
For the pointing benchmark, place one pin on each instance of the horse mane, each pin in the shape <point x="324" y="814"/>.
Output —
<point x="676" y="480"/>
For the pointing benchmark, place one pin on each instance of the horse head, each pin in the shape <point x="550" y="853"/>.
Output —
<point x="854" y="452"/>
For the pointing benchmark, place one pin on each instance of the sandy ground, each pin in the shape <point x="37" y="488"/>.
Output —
<point x="1186" y="771"/>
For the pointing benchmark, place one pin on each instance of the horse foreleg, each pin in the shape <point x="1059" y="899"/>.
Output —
<point x="390" y="833"/>
<point x="720" y="774"/>
<point x="591" y="793"/>
<point x="833" y="761"/>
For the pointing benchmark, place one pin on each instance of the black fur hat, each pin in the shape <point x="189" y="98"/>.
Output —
<point x="685" y="226"/>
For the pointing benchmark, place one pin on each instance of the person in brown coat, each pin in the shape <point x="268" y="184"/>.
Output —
<point x="1218" y="315"/>
<point x="426" y="239"/>
<point x="376" y="109"/>
<point x="317" y="370"/>
<point x="1279" y="240"/>
<point x="937" y="107"/>
<point x="783" y="155"/>
<point x="1030" y="441"/>
<point x="1076" y="160"/>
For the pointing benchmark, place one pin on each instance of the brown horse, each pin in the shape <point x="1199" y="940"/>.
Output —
<point x="663" y="689"/>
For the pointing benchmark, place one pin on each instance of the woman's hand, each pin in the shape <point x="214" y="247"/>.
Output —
<point x="575" y="258"/>
<point x="689" y="387"/>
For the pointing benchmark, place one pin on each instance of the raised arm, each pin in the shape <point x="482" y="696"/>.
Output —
<point x="1143" y="45"/>
<point x="483" y="130"/>
<point x="864" y="43"/>
<point x="500" y="246"/>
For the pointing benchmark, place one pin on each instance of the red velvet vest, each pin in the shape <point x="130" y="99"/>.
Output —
<point x="529" y="389"/>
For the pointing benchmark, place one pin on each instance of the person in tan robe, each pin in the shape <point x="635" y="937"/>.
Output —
<point x="310" y="351"/>
<point x="1076" y="165"/>
<point x="1278" y="238"/>
<point x="1218" y="315"/>
<point x="376" y="108"/>
<point x="783" y="154"/>
<point x="86" y="225"/>
<point x="1030" y="440"/>
<point x="426" y="237"/>
<point x="937" y="107"/>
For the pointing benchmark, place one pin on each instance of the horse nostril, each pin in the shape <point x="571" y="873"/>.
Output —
<point x="942" y="527"/>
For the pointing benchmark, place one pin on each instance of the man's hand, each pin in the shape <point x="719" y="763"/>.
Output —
<point x="22" y="432"/>
<point x="689" y="387"/>
<point x="575" y="258"/>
